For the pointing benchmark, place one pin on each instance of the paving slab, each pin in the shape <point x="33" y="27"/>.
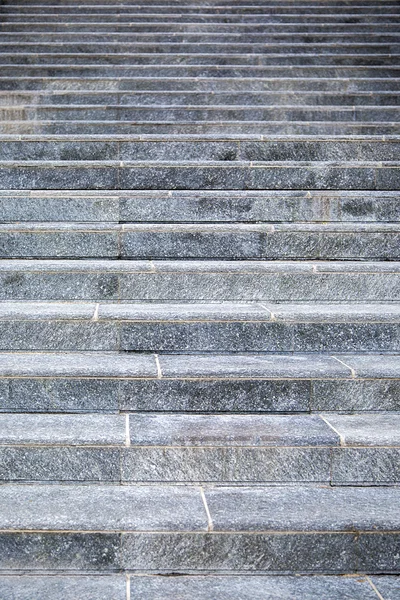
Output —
<point x="28" y="587"/>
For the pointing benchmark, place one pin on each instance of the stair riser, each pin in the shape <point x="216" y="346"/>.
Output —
<point x="200" y="207"/>
<point x="186" y="338"/>
<point x="108" y="395"/>
<point x="189" y="114"/>
<point x="234" y="177"/>
<point x="199" y="18"/>
<point x="200" y="149"/>
<point x="303" y="552"/>
<point x="285" y="287"/>
<point x="278" y="465"/>
<point x="245" y="8"/>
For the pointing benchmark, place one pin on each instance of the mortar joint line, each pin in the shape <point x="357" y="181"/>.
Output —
<point x="127" y="432"/>
<point x="210" y="526"/>
<point x="96" y="313"/>
<point x="341" y="438"/>
<point x="371" y="583"/>
<point x="128" y="587"/>
<point x="271" y="314"/>
<point x="159" y="372"/>
<point x="353" y="373"/>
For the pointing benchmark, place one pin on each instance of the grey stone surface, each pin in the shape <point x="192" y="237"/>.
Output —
<point x="58" y="464"/>
<point x="228" y="430"/>
<point x="367" y="430"/>
<point x="299" y="366"/>
<point x="53" y="394"/>
<point x="243" y="552"/>
<point x="334" y="313"/>
<point x="66" y="552"/>
<point x="10" y="311"/>
<point x="388" y="587"/>
<point x="254" y="588"/>
<point x="356" y="396"/>
<point x="376" y="366"/>
<point x="95" y="430"/>
<point x="379" y="553"/>
<point x="184" y="312"/>
<point x="102" y="508"/>
<point x="226" y="465"/>
<point x="303" y="508"/>
<point x="33" y="587"/>
<point x="366" y="466"/>
<point x="76" y="365"/>
<point x="215" y="396"/>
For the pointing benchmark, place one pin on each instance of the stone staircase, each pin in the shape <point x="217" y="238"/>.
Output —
<point x="199" y="300"/>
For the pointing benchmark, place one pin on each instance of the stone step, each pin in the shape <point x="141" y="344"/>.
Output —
<point x="208" y="59"/>
<point x="336" y="450"/>
<point x="160" y="71"/>
<point x="205" y="37"/>
<point x="200" y="174"/>
<point x="334" y="241"/>
<point x="213" y="4"/>
<point x="199" y="281"/>
<point x="262" y="50"/>
<point x="308" y="9"/>
<point x="95" y="382"/>
<point x="163" y="529"/>
<point x="221" y="148"/>
<point x="201" y="587"/>
<point x="198" y="206"/>
<point x="204" y="84"/>
<point x="209" y="114"/>
<point x="182" y="128"/>
<point x="199" y="18"/>
<point x="191" y="328"/>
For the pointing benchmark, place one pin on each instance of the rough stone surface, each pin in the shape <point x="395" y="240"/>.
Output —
<point x="69" y="588"/>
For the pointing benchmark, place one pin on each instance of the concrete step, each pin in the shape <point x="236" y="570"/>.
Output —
<point x="199" y="281"/>
<point x="95" y="382"/>
<point x="163" y="529"/>
<point x="198" y="206"/>
<point x="202" y="587"/>
<point x="221" y="148"/>
<point x="200" y="174"/>
<point x="209" y="114"/>
<point x="336" y="241"/>
<point x="191" y="328"/>
<point x="209" y="59"/>
<point x="339" y="450"/>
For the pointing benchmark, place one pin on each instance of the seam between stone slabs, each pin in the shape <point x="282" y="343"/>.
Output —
<point x="128" y="587"/>
<point x="341" y="438"/>
<point x="355" y="533"/>
<point x="159" y="372"/>
<point x="132" y="446"/>
<point x="210" y="525"/>
<point x="371" y="583"/>
<point x="96" y="313"/>
<point x="352" y="371"/>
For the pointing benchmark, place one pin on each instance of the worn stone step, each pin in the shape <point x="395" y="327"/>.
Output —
<point x="114" y="48"/>
<point x="112" y="528"/>
<point x="28" y="58"/>
<point x="197" y="174"/>
<point x="226" y="148"/>
<point x="191" y="328"/>
<point x="94" y="382"/>
<point x="203" y="281"/>
<point x="379" y="114"/>
<point x="336" y="241"/>
<point x="339" y="450"/>
<point x="181" y="128"/>
<point x="198" y="206"/>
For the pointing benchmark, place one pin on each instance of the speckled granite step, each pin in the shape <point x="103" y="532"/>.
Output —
<point x="199" y="206"/>
<point x="173" y="529"/>
<point x="197" y="328"/>
<point x="110" y="382"/>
